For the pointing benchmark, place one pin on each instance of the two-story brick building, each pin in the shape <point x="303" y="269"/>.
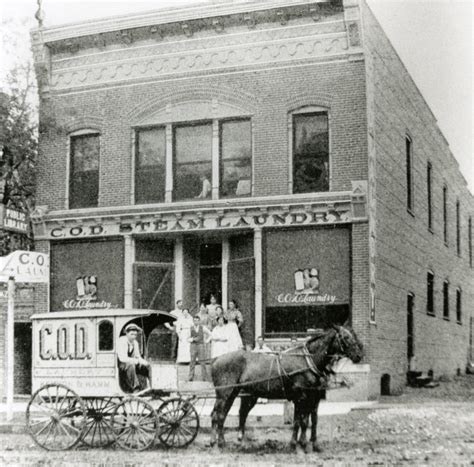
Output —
<point x="272" y="152"/>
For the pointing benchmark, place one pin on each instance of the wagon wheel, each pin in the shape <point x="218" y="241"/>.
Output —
<point x="55" y="417"/>
<point x="179" y="423"/>
<point x="135" y="424"/>
<point x="98" y="431"/>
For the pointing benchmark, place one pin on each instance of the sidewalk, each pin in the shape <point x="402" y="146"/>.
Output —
<point x="262" y="415"/>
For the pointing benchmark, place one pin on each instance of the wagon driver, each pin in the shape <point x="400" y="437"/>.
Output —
<point x="133" y="369"/>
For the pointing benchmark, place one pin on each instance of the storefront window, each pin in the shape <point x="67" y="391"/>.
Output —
<point x="307" y="279"/>
<point x="84" y="171"/>
<point x="236" y="158"/>
<point x="193" y="161"/>
<point x="281" y="321"/>
<point x="310" y="152"/>
<point x="150" y="168"/>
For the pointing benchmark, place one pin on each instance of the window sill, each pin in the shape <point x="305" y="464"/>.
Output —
<point x="430" y="230"/>
<point x="446" y="319"/>
<point x="459" y="322"/>
<point x="430" y="313"/>
<point x="410" y="211"/>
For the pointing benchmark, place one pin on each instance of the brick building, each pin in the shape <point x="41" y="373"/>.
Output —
<point x="273" y="152"/>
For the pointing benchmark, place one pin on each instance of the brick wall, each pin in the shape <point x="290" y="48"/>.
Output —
<point x="274" y="93"/>
<point x="405" y="247"/>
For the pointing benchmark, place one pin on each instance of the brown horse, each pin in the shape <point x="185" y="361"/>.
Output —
<point x="299" y="375"/>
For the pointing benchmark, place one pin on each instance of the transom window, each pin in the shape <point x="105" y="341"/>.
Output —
<point x="84" y="171"/>
<point x="310" y="152"/>
<point x="199" y="160"/>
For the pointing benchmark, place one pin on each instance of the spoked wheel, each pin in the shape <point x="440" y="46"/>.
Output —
<point x="55" y="417"/>
<point x="98" y="431"/>
<point x="179" y="423"/>
<point x="135" y="424"/>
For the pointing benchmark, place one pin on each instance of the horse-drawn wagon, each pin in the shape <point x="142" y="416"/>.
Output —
<point x="77" y="392"/>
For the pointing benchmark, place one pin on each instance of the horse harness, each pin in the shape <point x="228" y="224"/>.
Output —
<point x="285" y="377"/>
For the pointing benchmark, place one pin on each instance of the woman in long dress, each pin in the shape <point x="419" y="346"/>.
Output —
<point x="183" y="329"/>
<point x="234" y="321"/>
<point x="219" y="338"/>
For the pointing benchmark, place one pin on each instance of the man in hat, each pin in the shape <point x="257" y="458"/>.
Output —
<point x="133" y="369"/>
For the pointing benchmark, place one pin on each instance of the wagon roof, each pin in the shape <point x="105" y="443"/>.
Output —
<point x="100" y="313"/>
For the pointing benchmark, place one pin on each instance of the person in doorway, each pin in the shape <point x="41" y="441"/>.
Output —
<point x="199" y="336"/>
<point x="183" y="329"/>
<point x="261" y="347"/>
<point x="176" y="313"/>
<point x="213" y="310"/>
<point x="219" y="338"/>
<point x="234" y="317"/>
<point x="133" y="369"/>
<point x="206" y="187"/>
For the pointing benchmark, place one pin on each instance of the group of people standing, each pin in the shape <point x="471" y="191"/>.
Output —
<point x="208" y="334"/>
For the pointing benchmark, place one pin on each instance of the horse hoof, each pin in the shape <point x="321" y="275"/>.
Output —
<point x="317" y="448"/>
<point x="292" y="445"/>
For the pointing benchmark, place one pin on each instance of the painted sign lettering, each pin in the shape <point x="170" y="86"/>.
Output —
<point x="193" y="222"/>
<point x="65" y="348"/>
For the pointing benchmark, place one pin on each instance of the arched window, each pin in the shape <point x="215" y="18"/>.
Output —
<point x="106" y="336"/>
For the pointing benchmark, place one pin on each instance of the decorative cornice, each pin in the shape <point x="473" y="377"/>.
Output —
<point x="171" y="15"/>
<point x="301" y="48"/>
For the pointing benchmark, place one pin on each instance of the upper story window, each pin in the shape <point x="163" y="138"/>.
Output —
<point x="84" y="170"/>
<point x="446" y="299"/>
<point x="445" y="214"/>
<point x="430" y="293"/>
<point x="206" y="159"/>
<point x="409" y="172"/>
<point x="150" y="165"/>
<point x="458" y="228"/>
<point x="192" y="161"/>
<point x="469" y="240"/>
<point x="458" y="306"/>
<point x="429" y="174"/>
<point x="310" y="152"/>
<point x="236" y="158"/>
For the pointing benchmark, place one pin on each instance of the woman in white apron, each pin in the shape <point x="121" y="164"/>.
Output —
<point x="183" y="329"/>
<point x="219" y="338"/>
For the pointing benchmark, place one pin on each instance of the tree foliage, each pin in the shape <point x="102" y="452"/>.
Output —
<point x="18" y="150"/>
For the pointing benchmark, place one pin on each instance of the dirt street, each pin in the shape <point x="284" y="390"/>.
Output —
<point x="422" y="427"/>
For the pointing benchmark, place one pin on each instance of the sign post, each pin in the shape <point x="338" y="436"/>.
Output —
<point x="10" y="341"/>
<point x="19" y="266"/>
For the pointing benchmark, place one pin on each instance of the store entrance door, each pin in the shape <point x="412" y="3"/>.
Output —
<point x="210" y="272"/>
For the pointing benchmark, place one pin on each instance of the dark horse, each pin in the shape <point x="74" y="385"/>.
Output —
<point x="298" y="374"/>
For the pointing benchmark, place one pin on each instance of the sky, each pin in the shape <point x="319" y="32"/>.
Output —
<point x="432" y="37"/>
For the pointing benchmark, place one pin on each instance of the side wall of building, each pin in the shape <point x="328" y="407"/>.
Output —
<point x="405" y="247"/>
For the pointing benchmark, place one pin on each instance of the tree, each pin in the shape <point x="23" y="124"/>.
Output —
<point x="18" y="149"/>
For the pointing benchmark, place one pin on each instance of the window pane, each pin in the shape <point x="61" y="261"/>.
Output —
<point x="84" y="183"/>
<point x="236" y="158"/>
<point x="150" y="168"/>
<point x="106" y="336"/>
<point x="310" y="153"/>
<point x="193" y="164"/>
